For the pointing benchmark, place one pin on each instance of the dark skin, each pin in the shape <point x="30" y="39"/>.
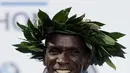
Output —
<point x="66" y="54"/>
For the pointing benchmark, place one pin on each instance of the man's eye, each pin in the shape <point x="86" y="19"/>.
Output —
<point x="74" y="52"/>
<point x="53" y="52"/>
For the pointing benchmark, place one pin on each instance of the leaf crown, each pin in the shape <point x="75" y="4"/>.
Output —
<point x="103" y="44"/>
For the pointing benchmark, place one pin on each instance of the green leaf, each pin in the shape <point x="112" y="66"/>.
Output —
<point x="94" y="40"/>
<point x="87" y="20"/>
<point x="62" y="16"/>
<point x="118" y="50"/>
<point x="89" y="46"/>
<point x="40" y="25"/>
<point x="29" y="35"/>
<point x="34" y="48"/>
<point x="66" y="32"/>
<point x="35" y="31"/>
<point x="121" y="46"/>
<point x="94" y="26"/>
<point x="26" y="47"/>
<point x="117" y="35"/>
<point x="77" y="20"/>
<point x="109" y="62"/>
<point x="97" y="23"/>
<point x="105" y="51"/>
<point x="23" y="27"/>
<point x="99" y="57"/>
<point x="22" y="48"/>
<point x="42" y="15"/>
<point x="44" y="18"/>
<point x="38" y="55"/>
<point x="108" y="40"/>
<point x="30" y="25"/>
<point x="35" y="24"/>
<point x="71" y="18"/>
<point x="115" y="50"/>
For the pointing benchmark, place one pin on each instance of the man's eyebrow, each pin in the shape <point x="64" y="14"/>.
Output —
<point x="73" y="48"/>
<point x="53" y="46"/>
<point x="50" y="44"/>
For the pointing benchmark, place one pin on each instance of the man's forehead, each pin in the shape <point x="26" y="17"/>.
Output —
<point x="58" y="36"/>
<point x="69" y="46"/>
<point x="63" y="40"/>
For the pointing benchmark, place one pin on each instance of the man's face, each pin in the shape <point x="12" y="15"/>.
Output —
<point x="65" y="54"/>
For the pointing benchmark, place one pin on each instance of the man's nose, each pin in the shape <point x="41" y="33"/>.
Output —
<point x="62" y="59"/>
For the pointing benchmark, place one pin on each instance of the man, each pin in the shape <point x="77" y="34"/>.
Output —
<point x="71" y="43"/>
<point x="66" y="54"/>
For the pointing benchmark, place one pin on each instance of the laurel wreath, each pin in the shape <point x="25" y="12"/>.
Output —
<point x="103" y="44"/>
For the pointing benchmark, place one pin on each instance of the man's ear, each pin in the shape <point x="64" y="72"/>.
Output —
<point x="44" y="57"/>
<point x="44" y="63"/>
<point x="87" y="61"/>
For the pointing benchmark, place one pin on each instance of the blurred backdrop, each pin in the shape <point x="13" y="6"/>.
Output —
<point x="114" y="13"/>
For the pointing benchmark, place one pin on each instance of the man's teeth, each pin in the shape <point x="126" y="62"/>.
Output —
<point x="62" y="71"/>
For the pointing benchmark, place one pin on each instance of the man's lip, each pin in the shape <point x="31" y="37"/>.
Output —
<point x="63" y="71"/>
<point x="63" y="68"/>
